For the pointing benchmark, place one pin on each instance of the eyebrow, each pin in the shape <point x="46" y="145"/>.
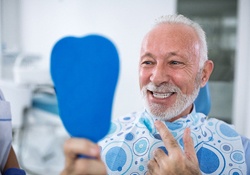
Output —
<point x="147" y="54"/>
<point x="173" y="53"/>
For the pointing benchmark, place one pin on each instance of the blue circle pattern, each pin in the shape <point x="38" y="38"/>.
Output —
<point x="129" y="136"/>
<point x="141" y="168"/>
<point x="237" y="157"/>
<point x="141" y="146"/>
<point x="217" y="144"/>
<point x="235" y="172"/>
<point x="116" y="158"/>
<point x="227" y="131"/>
<point x="211" y="159"/>
<point x="226" y="148"/>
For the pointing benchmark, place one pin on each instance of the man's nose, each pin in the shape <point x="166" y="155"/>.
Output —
<point x="159" y="75"/>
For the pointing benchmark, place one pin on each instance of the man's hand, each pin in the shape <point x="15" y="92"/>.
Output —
<point x="80" y="166"/>
<point x="176" y="162"/>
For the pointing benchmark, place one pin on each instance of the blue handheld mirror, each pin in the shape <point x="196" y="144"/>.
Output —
<point x="85" y="74"/>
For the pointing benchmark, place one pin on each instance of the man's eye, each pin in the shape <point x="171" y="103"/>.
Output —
<point x="147" y="62"/>
<point x="175" y="62"/>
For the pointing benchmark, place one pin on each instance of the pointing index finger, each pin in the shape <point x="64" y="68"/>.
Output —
<point x="167" y="137"/>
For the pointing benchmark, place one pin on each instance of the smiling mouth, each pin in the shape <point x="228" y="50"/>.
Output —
<point x="161" y="95"/>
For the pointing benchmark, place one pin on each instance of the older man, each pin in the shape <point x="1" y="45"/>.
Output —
<point x="169" y="136"/>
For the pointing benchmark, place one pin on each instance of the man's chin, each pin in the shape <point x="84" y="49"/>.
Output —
<point x="160" y="115"/>
<point x="163" y="118"/>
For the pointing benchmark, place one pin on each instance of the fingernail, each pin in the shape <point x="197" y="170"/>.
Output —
<point x="157" y="123"/>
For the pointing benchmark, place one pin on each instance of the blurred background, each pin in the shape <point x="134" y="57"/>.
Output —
<point x="30" y="28"/>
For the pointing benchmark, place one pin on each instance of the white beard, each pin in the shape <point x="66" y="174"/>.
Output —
<point x="160" y="111"/>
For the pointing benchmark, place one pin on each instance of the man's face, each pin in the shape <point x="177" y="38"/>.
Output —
<point x="169" y="70"/>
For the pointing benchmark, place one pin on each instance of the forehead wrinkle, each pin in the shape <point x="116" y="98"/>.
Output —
<point x="177" y="53"/>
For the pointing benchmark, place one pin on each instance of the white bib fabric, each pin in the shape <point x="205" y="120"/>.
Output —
<point x="5" y="131"/>
<point x="132" y="139"/>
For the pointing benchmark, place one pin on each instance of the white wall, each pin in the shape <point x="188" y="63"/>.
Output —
<point x="241" y="113"/>
<point x="43" y="22"/>
<point x="10" y="23"/>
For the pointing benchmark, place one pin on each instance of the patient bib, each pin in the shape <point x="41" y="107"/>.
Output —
<point x="132" y="139"/>
<point x="5" y="131"/>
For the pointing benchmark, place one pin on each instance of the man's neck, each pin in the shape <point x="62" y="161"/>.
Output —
<point x="187" y="111"/>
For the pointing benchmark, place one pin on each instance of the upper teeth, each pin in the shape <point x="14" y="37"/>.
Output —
<point x="157" y="95"/>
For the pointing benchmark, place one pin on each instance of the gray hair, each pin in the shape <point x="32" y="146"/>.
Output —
<point x="180" y="19"/>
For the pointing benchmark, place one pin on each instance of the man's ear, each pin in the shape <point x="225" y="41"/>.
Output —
<point x="206" y="72"/>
